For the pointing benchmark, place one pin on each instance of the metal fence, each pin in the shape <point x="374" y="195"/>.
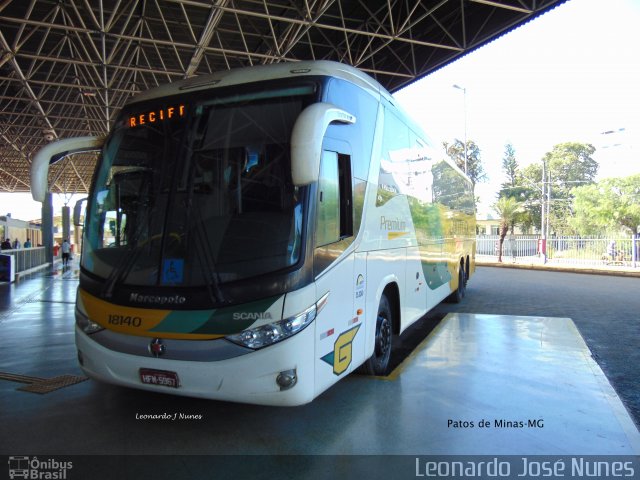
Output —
<point x="27" y="258"/>
<point x="587" y="251"/>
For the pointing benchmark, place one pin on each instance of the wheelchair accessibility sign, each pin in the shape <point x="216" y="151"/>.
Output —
<point x="172" y="271"/>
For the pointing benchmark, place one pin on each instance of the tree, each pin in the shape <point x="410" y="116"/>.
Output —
<point x="613" y="206"/>
<point x="514" y="187"/>
<point x="510" y="166"/>
<point x="571" y="163"/>
<point x="567" y="165"/>
<point x="507" y="208"/>
<point x="475" y="170"/>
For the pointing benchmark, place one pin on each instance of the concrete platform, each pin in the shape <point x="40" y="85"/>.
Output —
<point x="477" y="385"/>
<point x="531" y="379"/>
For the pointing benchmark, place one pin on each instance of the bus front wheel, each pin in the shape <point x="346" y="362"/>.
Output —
<point x="378" y="363"/>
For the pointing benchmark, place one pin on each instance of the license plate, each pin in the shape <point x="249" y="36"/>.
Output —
<point x="163" y="378"/>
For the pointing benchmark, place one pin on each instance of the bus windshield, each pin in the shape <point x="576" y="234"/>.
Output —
<point x="201" y="194"/>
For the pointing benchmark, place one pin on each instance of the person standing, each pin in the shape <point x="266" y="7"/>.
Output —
<point x="66" y="250"/>
<point x="612" y="251"/>
<point x="514" y="251"/>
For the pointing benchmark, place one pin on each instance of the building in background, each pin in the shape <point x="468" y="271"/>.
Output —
<point x="13" y="229"/>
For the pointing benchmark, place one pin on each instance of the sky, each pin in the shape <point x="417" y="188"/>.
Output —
<point x="567" y="76"/>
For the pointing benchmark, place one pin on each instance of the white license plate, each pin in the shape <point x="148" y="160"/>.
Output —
<point x="163" y="378"/>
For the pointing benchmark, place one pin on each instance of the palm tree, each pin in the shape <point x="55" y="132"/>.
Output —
<point x="508" y="209"/>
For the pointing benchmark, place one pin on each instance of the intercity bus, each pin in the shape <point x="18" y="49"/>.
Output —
<point x="255" y="235"/>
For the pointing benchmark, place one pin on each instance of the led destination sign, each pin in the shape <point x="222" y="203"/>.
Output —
<point x="157" y="115"/>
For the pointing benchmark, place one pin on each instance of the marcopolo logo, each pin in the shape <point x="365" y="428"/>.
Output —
<point x="159" y="299"/>
<point x="34" y="468"/>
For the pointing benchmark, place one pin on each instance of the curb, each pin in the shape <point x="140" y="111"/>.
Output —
<point x="561" y="268"/>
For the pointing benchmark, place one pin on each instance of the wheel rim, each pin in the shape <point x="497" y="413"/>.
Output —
<point x="383" y="337"/>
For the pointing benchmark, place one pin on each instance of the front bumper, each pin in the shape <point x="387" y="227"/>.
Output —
<point x="249" y="378"/>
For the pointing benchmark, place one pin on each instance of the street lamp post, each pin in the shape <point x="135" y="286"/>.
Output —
<point x="464" y="100"/>
<point x="548" y="199"/>
<point x="543" y="246"/>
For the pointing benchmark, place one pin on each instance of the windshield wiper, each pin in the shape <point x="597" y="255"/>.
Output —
<point x="210" y="270"/>
<point x="119" y="272"/>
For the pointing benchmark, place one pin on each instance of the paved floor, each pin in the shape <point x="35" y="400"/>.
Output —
<point x="605" y="309"/>
<point x="505" y="370"/>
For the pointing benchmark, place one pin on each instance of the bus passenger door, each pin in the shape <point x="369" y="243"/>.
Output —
<point x="338" y="333"/>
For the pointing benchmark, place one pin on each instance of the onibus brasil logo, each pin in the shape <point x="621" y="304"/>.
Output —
<point x="33" y="468"/>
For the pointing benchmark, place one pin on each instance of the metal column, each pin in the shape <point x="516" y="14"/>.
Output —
<point x="47" y="226"/>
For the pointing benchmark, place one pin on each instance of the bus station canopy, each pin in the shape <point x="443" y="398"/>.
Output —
<point x="68" y="66"/>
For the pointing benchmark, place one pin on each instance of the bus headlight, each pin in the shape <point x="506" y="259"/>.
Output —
<point x="86" y="324"/>
<point x="271" y="333"/>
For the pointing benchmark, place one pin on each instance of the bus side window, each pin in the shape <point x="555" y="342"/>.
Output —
<point x="335" y="204"/>
<point x="346" y="196"/>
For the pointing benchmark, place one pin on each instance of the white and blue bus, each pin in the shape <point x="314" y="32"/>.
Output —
<point x="255" y="235"/>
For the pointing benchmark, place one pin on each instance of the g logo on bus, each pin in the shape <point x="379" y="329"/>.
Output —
<point x="156" y="347"/>
<point x="342" y="354"/>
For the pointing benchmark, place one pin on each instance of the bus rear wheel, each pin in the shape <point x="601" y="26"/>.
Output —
<point x="458" y="295"/>
<point x="378" y="363"/>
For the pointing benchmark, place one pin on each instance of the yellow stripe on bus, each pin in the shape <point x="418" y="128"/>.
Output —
<point x="394" y="235"/>
<point x="132" y="320"/>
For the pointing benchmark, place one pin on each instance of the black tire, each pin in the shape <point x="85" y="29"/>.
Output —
<point x="458" y="295"/>
<point x="378" y="363"/>
<point x="466" y="274"/>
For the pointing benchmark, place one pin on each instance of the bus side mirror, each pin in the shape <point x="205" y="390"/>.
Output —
<point x="306" y="139"/>
<point x="77" y="212"/>
<point x="54" y="152"/>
